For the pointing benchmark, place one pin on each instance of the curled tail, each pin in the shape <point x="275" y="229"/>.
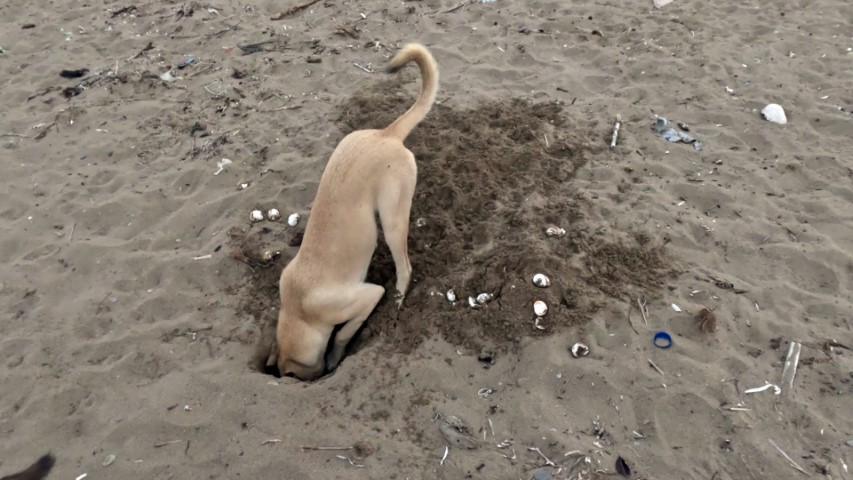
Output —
<point x="429" y="76"/>
<point x="36" y="471"/>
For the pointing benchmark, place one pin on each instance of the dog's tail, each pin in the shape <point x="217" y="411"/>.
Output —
<point x="36" y="471"/>
<point x="429" y="76"/>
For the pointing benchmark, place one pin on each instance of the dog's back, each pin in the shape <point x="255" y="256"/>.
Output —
<point x="36" y="471"/>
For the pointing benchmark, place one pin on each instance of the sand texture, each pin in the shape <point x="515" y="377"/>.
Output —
<point x="133" y="292"/>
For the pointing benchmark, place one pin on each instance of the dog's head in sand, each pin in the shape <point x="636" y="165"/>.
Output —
<point x="304" y="359"/>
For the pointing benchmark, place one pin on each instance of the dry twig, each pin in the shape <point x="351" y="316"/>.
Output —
<point x="294" y="9"/>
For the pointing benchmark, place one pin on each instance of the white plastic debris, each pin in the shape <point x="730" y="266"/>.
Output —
<point x="293" y="219"/>
<point x="167" y="76"/>
<point x="220" y="166"/>
<point x="774" y="113"/>
<point x="768" y="385"/>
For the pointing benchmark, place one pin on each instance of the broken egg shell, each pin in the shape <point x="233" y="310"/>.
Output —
<point x="554" y="231"/>
<point x="273" y="214"/>
<point x="450" y="296"/>
<point x="484" y="298"/>
<point x="540" y="280"/>
<point x="472" y="302"/>
<point x="580" y="350"/>
<point x="540" y="308"/>
<point x="256" y="215"/>
<point x="293" y="219"/>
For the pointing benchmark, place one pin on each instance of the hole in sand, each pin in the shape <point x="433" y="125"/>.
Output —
<point x="490" y="180"/>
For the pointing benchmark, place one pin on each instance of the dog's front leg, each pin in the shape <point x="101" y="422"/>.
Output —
<point x="364" y="298"/>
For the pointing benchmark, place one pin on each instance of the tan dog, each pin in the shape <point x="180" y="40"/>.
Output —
<point x="323" y="286"/>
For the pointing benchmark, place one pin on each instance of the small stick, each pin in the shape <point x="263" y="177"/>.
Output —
<point x="13" y="135"/>
<point x="644" y="311"/>
<point x="793" y="463"/>
<point x="71" y="234"/>
<point x="366" y="69"/>
<point x="546" y="140"/>
<point x="616" y="130"/>
<point x="444" y="457"/>
<point x="547" y="460"/>
<point x="170" y="442"/>
<point x="311" y="447"/>
<point x="290" y="11"/>
<point x="790" y="369"/>
<point x="271" y="440"/>
<point x="457" y="7"/>
<point x="630" y="322"/>
<point x="655" y="367"/>
<point x="738" y="409"/>
<point x="187" y="448"/>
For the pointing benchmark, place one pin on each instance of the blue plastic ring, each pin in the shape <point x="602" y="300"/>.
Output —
<point x="662" y="340"/>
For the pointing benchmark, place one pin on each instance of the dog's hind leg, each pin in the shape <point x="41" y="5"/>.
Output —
<point x="363" y="299"/>
<point x="395" y="205"/>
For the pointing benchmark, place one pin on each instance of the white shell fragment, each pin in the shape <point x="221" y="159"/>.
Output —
<point x="554" y="231"/>
<point x="273" y="214"/>
<point x="293" y="219"/>
<point x="540" y="308"/>
<point x="580" y="350"/>
<point x="484" y="298"/>
<point x="450" y="295"/>
<point x="256" y="215"/>
<point x="676" y="307"/>
<point x="268" y="255"/>
<point x="540" y="280"/>
<point x="472" y="302"/>
<point x="774" y="113"/>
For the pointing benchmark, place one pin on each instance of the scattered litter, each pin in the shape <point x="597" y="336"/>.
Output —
<point x="793" y="463"/>
<point x="508" y="443"/>
<point x="541" y="475"/>
<point x="622" y="467"/>
<point x="657" y="368"/>
<point x="580" y="350"/>
<point x="791" y="362"/>
<point x="363" y="67"/>
<point x="109" y="460"/>
<point x="220" y="166"/>
<point x="186" y="63"/>
<point x="82" y="475"/>
<point x="540" y="280"/>
<point x="74" y="73"/>
<point x="170" y="442"/>
<point x="356" y="465"/>
<point x="271" y="440"/>
<point x="676" y="308"/>
<point x="662" y="3"/>
<point x="167" y="76"/>
<point x="540" y="308"/>
<point x="485" y="392"/>
<point x="293" y="219"/>
<point x="774" y="113"/>
<point x="203" y="257"/>
<point x="616" y="131"/>
<point x="674" y="136"/>
<point x="662" y="340"/>
<point x="554" y="231"/>
<point x="273" y="214"/>
<point x="457" y="433"/>
<point x="294" y="9"/>
<point x="450" y="296"/>
<point x="444" y="457"/>
<point x="768" y="385"/>
<point x="256" y="216"/>
<point x="547" y="460"/>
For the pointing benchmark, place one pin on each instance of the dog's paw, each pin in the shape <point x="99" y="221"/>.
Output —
<point x="399" y="298"/>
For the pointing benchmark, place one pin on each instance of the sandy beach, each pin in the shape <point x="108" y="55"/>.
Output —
<point x="136" y="138"/>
